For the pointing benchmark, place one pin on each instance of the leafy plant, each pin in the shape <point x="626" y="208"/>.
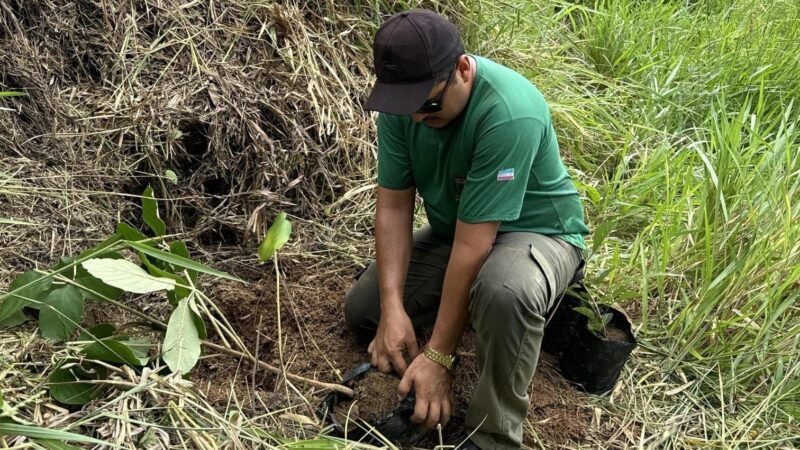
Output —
<point x="277" y="236"/>
<point x="597" y="321"/>
<point x="103" y="274"/>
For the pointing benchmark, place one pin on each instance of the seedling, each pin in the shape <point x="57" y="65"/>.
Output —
<point x="597" y="321"/>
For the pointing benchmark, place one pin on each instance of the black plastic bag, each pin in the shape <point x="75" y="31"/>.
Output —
<point x="587" y="360"/>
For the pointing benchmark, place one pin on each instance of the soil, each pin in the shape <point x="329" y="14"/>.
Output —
<point x="318" y="345"/>
<point x="375" y="398"/>
<point x="615" y="334"/>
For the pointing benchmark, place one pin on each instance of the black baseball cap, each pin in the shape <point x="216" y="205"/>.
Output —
<point x="410" y="49"/>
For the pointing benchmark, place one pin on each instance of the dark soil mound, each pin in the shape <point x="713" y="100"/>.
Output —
<point x="375" y="398"/>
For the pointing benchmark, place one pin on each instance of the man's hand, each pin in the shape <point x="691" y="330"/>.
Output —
<point x="432" y="388"/>
<point x="394" y="339"/>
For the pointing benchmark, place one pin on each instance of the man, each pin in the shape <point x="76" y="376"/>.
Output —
<point x="505" y="231"/>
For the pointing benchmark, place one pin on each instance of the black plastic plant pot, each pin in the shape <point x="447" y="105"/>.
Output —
<point x="593" y="363"/>
<point x="396" y="427"/>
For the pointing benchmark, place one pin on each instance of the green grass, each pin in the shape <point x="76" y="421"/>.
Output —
<point x="679" y="120"/>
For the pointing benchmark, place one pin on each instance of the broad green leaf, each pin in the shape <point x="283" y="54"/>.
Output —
<point x="180" y="261"/>
<point x="181" y="290"/>
<point x="182" y="340"/>
<point x="61" y="312"/>
<point x="34" y="432"/>
<point x="171" y="176"/>
<point x="15" y="319"/>
<point x="198" y="320"/>
<point x="97" y="250"/>
<point x="68" y="383"/>
<point x="179" y="248"/>
<point x="91" y="287"/>
<point x="26" y="287"/>
<point x="277" y="235"/>
<point x="99" y="331"/>
<point x="132" y="234"/>
<point x="125" y="275"/>
<point x="113" y="351"/>
<point x="150" y="213"/>
<point x="140" y="346"/>
<point x="95" y="289"/>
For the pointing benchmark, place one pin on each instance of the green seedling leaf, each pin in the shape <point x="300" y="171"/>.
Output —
<point x="97" y="332"/>
<point x="182" y="340"/>
<point x="25" y="290"/>
<point x="596" y="323"/>
<point x="68" y="383"/>
<point x="61" y="312"/>
<point x="125" y="275"/>
<point x="277" y="235"/>
<point x="114" y="351"/>
<point x="179" y="261"/>
<point x="171" y="176"/>
<point x="585" y="311"/>
<point x="150" y="213"/>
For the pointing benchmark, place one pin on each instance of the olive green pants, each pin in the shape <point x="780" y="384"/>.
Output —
<point x="518" y="284"/>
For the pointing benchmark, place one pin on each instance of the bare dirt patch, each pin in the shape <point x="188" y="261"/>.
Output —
<point x="318" y="345"/>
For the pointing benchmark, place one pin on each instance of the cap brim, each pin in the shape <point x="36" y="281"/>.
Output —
<point x="399" y="99"/>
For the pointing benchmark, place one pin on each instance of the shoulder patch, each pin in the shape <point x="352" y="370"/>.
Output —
<point x="505" y="175"/>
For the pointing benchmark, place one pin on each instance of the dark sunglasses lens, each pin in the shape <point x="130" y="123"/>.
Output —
<point x="430" y="108"/>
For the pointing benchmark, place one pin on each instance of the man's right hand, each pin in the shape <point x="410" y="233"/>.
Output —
<point x="395" y="338"/>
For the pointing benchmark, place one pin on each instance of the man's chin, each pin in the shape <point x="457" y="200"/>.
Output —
<point x="435" y="123"/>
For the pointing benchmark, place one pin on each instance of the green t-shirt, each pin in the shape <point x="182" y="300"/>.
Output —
<point x="498" y="161"/>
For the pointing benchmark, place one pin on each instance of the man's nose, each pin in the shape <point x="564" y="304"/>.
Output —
<point x="417" y="117"/>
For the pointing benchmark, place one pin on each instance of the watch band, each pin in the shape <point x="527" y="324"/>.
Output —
<point x="446" y="361"/>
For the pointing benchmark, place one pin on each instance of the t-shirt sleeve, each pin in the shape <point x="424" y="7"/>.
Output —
<point x="394" y="162"/>
<point x="501" y="165"/>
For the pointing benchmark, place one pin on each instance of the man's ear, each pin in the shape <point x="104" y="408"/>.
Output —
<point x="464" y="67"/>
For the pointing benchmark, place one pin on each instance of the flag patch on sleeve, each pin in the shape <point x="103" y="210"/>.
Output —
<point x="505" y="175"/>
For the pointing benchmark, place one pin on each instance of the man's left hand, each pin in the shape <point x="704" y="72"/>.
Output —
<point x="432" y="388"/>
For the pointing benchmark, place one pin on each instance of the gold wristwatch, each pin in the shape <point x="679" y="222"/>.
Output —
<point x="446" y="361"/>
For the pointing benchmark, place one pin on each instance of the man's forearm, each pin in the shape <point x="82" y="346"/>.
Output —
<point x="393" y="241"/>
<point x="465" y="262"/>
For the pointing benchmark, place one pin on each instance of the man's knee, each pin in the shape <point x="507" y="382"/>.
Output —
<point x="503" y="300"/>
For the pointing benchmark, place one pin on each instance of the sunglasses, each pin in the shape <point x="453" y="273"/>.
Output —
<point x="434" y="105"/>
